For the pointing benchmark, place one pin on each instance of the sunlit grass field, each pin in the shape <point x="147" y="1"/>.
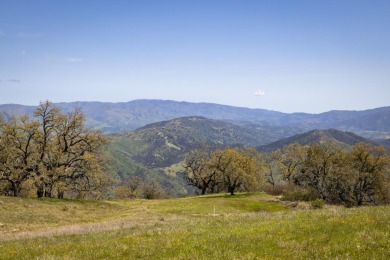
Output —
<point x="245" y="226"/>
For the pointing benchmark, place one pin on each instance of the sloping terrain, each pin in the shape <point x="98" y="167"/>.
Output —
<point x="244" y="226"/>
<point x="156" y="150"/>
<point x="163" y="144"/>
<point x="336" y="137"/>
<point x="10" y="110"/>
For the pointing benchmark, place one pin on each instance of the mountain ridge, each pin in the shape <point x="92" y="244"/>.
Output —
<point x="174" y="138"/>
<point x="342" y="139"/>
<point x="113" y="117"/>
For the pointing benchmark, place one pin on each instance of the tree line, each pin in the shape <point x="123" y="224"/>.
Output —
<point x="51" y="155"/>
<point x="357" y="176"/>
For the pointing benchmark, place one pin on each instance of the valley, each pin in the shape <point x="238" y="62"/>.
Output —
<point x="151" y="138"/>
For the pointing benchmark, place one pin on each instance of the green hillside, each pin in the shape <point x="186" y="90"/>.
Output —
<point x="122" y="164"/>
<point x="245" y="226"/>
<point x="165" y="143"/>
<point x="156" y="151"/>
<point x="341" y="139"/>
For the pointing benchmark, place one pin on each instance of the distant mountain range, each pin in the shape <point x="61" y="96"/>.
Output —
<point x="125" y="116"/>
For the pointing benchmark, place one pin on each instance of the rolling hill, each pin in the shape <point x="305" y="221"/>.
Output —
<point x="165" y="143"/>
<point x="157" y="150"/>
<point x="125" y="116"/>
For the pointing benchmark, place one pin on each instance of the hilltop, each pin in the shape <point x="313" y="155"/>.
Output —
<point x="341" y="139"/>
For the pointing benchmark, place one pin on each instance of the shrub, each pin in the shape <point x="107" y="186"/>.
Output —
<point x="298" y="193"/>
<point x="276" y="190"/>
<point x="152" y="190"/>
<point x="123" y="192"/>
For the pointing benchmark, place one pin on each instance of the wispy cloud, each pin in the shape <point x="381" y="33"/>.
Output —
<point x="259" y="93"/>
<point x="14" y="80"/>
<point x="74" y="60"/>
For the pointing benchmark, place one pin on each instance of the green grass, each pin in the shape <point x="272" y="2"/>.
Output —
<point x="245" y="226"/>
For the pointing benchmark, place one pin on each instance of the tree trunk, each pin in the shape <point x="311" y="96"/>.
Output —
<point x="40" y="192"/>
<point x="60" y="194"/>
<point x="15" y="189"/>
<point x="231" y="189"/>
<point x="47" y="194"/>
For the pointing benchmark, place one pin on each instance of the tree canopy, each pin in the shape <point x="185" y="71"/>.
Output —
<point x="53" y="154"/>
<point x="229" y="169"/>
<point x="356" y="177"/>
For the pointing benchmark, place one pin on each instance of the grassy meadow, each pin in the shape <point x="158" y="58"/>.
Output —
<point x="245" y="226"/>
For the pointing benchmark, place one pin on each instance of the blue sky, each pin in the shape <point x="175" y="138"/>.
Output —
<point x="290" y="56"/>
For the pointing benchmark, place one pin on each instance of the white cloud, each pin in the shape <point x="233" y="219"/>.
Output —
<point x="74" y="60"/>
<point x="259" y="93"/>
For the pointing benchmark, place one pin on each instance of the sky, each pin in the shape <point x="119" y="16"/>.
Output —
<point x="291" y="56"/>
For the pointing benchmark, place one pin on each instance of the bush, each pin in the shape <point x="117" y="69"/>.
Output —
<point x="152" y="190"/>
<point x="297" y="193"/>
<point x="317" y="204"/>
<point x="123" y="192"/>
<point x="276" y="190"/>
